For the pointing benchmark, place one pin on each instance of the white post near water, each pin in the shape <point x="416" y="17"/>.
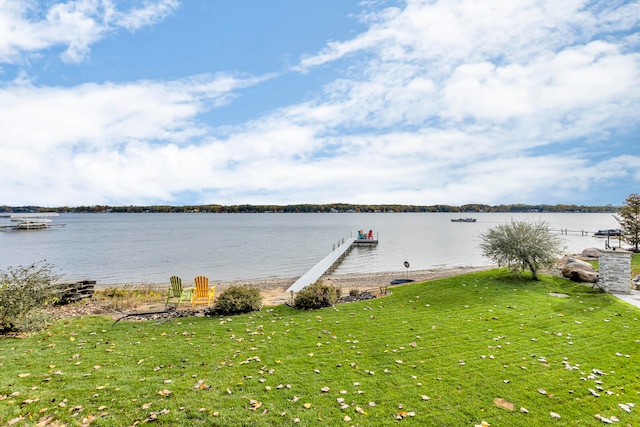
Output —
<point x="615" y="271"/>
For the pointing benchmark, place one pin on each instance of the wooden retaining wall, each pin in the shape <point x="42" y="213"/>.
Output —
<point x="75" y="291"/>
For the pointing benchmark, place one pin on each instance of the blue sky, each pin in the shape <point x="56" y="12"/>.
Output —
<point x="318" y="101"/>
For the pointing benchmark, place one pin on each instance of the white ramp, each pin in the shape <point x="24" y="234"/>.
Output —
<point x="320" y="268"/>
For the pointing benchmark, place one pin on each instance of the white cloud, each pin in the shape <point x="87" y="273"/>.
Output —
<point x="109" y="141"/>
<point x="438" y="102"/>
<point x="145" y="16"/>
<point x="28" y="27"/>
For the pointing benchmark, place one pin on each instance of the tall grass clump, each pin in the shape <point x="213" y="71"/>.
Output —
<point x="24" y="292"/>
<point x="119" y="298"/>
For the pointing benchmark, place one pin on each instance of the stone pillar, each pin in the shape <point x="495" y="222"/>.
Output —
<point x="615" y="271"/>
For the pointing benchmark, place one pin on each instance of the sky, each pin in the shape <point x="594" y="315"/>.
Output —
<point x="421" y="102"/>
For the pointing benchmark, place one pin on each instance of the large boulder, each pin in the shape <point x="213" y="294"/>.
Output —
<point x="590" y="253"/>
<point x="579" y="271"/>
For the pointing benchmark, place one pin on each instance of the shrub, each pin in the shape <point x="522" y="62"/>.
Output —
<point x="237" y="300"/>
<point x="317" y="295"/>
<point x="24" y="291"/>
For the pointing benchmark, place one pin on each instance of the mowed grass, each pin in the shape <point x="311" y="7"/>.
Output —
<point x="434" y="353"/>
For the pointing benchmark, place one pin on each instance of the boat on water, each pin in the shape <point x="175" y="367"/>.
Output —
<point x="463" y="220"/>
<point x="612" y="232"/>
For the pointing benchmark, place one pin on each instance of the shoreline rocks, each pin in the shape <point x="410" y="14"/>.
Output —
<point x="579" y="271"/>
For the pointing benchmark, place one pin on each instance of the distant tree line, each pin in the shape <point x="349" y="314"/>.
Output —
<point x="331" y="207"/>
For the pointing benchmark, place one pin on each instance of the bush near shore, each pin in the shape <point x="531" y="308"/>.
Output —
<point x="457" y="351"/>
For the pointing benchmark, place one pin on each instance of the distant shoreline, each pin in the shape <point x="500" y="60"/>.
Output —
<point x="321" y="208"/>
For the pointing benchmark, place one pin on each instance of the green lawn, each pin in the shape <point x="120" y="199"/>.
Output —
<point x="435" y="353"/>
<point x="635" y="265"/>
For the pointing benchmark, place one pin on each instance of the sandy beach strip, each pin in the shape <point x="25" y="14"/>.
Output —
<point x="274" y="290"/>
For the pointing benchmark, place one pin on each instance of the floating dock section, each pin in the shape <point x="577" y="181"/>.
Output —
<point x="329" y="262"/>
<point x="30" y="221"/>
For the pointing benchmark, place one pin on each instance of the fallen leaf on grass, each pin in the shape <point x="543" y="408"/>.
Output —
<point x="554" y="415"/>
<point x="200" y="385"/>
<point x="88" y="419"/>
<point x="254" y="405"/>
<point x="15" y="420"/>
<point x="603" y="419"/>
<point x="403" y="415"/>
<point x="307" y="405"/>
<point x="626" y="408"/>
<point x="543" y="391"/>
<point x="501" y="403"/>
<point x="44" y="421"/>
<point x="164" y="393"/>
<point x="154" y="415"/>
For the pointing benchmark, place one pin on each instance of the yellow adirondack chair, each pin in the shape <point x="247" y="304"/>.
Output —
<point x="203" y="293"/>
<point x="175" y="291"/>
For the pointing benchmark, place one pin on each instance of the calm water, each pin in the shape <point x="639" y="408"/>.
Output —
<point x="148" y="248"/>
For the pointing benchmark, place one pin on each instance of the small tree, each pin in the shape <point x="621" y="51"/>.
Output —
<point x="23" y="292"/>
<point x="629" y="220"/>
<point x="521" y="246"/>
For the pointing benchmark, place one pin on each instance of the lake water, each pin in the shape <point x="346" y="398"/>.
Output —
<point x="115" y="248"/>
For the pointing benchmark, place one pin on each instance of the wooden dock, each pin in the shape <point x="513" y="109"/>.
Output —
<point x="326" y="264"/>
